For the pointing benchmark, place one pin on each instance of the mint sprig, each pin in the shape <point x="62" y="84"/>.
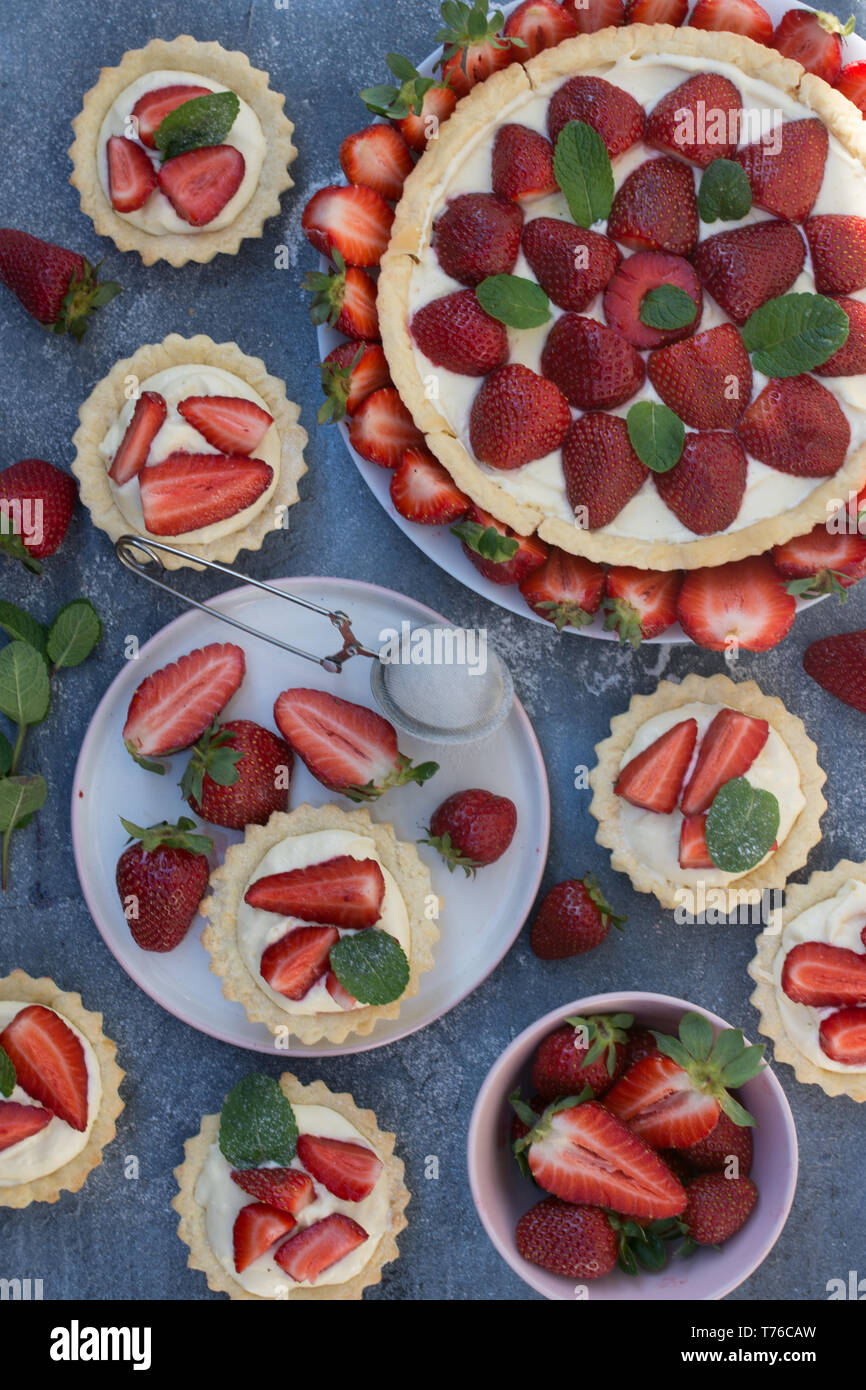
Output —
<point x="486" y="541"/>
<point x="371" y="965"/>
<point x="742" y="825"/>
<point x="257" y="1124"/>
<point x="582" y="168"/>
<point x="795" y="333"/>
<point x="657" y="435"/>
<point x="199" y="121"/>
<point x="668" y="308"/>
<point x="7" y="1073"/>
<point x="725" y="193"/>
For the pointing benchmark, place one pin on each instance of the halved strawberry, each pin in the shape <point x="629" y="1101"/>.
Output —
<point x="379" y="158"/>
<point x="851" y="82"/>
<point x="49" y="1062"/>
<point x="185" y="492"/>
<point x="349" y="1171"/>
<point x="518" y="416"/>
<point x="570" y="263"/>
<point x="316" y="1248"/>
<point x="381" y="430"/>
<point x="602" y="471"/>
<point x="652" y="779"/>
<point x="351" y="373"/>
<point x="837" y="243"/>
<point x="347" y="747"/>
<point x="592" y="15"/>
<point x="540" y="24"/>
<point x="594" y="367"/>
<point x="423" y="491"/>
<point x="796" y="425"/>
<point x="842" y="1037"/>
<point x="813" y="39"/>
<point x="522" y="163"/>
<point x="610" y="110"/>
<point x="850" y="358"/>
<point x="656" y="12"/>
<point x="496" y="551"/>
<point x="419" y="128"/>
<point x="786" y="167"/>
<point x="286" y="1189"/>
<point x="338" y="992"/>
<point x="706" y="487"/>
<point x="744" y="268"/>
<point x="655" y="208"/>
<point x="727" y="750"/>
<point x="743" y="603"/>
<point x="706" y="380"/>
<point x="355" y="221"/>
<point x="454" y="332"/>
<point x="473" y="47"/>
<point x="822" y="562"/>
<point x="201" y="182"/>
<point x="257" y="1227"/>
<point x="151" y="109"/>
<point x="173" y="706"/>
<point x="344" y="892"/>
<point x="699" y="120"/>
<point x="822" y="975"/>
<point x="640" y="604"/>
<point x="131" y="176"/>
<point x="19" y="1121"/>
<point x="476" y="236"/>
<point x="232" y="424"/>
<point x="293" y="964"/>
<point x="733" y="17"/>
<point x="633" y="281"/>
<point x="658" y="1100"/>
<point x="693" y="843"/>
<point x="345" y="299"/>
<point x="566" y="589"/>
<point x="147" y="420"/>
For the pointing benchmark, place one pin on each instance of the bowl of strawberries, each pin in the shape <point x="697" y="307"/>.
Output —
<point x="632" y="1146"/>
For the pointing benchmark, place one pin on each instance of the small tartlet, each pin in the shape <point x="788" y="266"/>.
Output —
<point x="73" y="1174"/>
<point x="820" y="887"/>
<point x="227" y="886"/>
<point x="235" y="72"/>
<point x="192" y="1227"/>
<point x="747" y="697"/>
<point x="107" y="399"/>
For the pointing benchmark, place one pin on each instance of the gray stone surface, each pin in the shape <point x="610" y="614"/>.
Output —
<point x="117" y="1238"/>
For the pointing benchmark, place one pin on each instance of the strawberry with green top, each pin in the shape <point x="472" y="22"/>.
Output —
<point x="582" y="1052"/>
<point x="46" y="497"/>
<point x="640" y="604"/>
<point x="351" y="373"/>
<point x="822" y="562"/>
<point x="161" y="879"/>
<point x="344" y="299"/>
<point x="239" y="774"/>
<point x="417" y="107"/>
<point x="474" y="46"/>
<point x="573" y="917"/>
<point x="566" y="590"/>
<point x="813" y="38"/>
<point x="58" y="288"/>
<point x="472" y="829"/>
<point x="538" y="25"/>
<point x="496" y="551"/>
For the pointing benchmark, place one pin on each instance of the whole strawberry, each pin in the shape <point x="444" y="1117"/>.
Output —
<point x="641" y="1043"/>
<point x="472" y="829"/>
<point x="838" y="663"/>
<point x="161" y="879"/>
<point x="573" y="918"/>
<point x="56" y="286"/>
<point x="577" y="1242"/>
<point x="717" y="1207"/>
<point x="44" y="498"/>
<point x="583" y="1052"/>
<point x="238" y="775"/>
<point x="726" y="1140"/>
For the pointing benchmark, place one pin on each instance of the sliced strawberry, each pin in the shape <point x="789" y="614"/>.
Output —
<point x="379" y="158"/>
<point x="838" y="664"/>
<point x="344" y="892"/>
<point x="349" y="1171"/>
<point x="653" y="778"/>
<point x="294" y="963"/>
<point x="201" y="182"/>
<point x="423" y="491"/>
<point x="837" y="243"/>
<point x="473" y="48"/>
<point x="418" y="129"/>
<point x="592" y="15"/>
<point x="744" y="268"/>
<point x="18" y="1122"/>
<point x="727" y="750"/>
<point x="693" y="844"/>
<point x="785" y="169"/>
<point x="345" y="299"/>
<point x="131" y="176"/>
<point x="640" y="604"/>
<point x="185" y="492"/>
<point x="477" y="235"/>
<point x="593" y="366"/>
<point x="602" y="471"/>
<point x="49" y="1062"/>
<point x="744" y="602"/>
<point x="656" y="12"/>
<point x="540" y="24"/>
<point x="655" y="208"/>
<point x="570" y="263"/>
<point x="635" y="278"/>
<point x="257" y="1227"/>
<point x="355" y="221"/>
<point x="316" y="1248"/>
<point x="286" y="1189"/>
<point x="831" y="561"/>
<point x="842" y="1037"/>
<point x="454" y="332"/>
<point x="813" y="39"/>
<point x="707" y="380"/>
<point x="566" y="589"/>
<point x="232" y="424"/>
<point x="522" y="163"/>
<point x="610" y="110"/>
<point x="705" y="489"/>
<point x="796" y="425"/>
<point x="381" y="430"/>
<point x="351" y="373"/>
<point x="496" y="551"/>
<point x="151" y="110"/>
<point x="824" y="976"/>
<point x="851" y="82"/>
<point x="338" y="992"/>
<point x="733" y="17"/>
<point x="517" y="416"/>
<point x="147" y="420"/>
<point x="657" y="1100"/>
<point x="850" y="358"/>
<point x="173" y="706"/>
<point x="699" y="120"/>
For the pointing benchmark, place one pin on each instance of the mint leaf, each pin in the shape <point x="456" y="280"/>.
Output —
<point x="486" y="541"/>
<point x="794" y="333"/>
<point x="7" y="1074"/>
<point x="371" y="965"/>
<point x="199" y="121"/>
<point x="74" y="633"/>
<point x="657" y="435"/>
<point x="582" y="168"/>
<point x="513" y="300"/>
<point x="6" y="755"/>
<point x="18" y="624"/>
<point x="257" y="1124"/>
<point x="24" y="689"/>
<point x="725" y="192"/>
<point x="667" y="307"/>
<point x="19" y="798"/>
<point x="742" y="825"/>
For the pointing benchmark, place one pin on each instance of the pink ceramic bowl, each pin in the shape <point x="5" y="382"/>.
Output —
<point x="501" y="1196"/>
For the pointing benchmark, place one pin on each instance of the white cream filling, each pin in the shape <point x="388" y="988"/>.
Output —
<point x="257" y="929"/>
<point x="53" y="1146"/>
<point x="541" y="483"/>
<point x="223" y="1199"/>
<point x="654" y="839"/>
<point x="174" y="384"/>
<point x="157" y="216"/>
<point x="838" y="921"/>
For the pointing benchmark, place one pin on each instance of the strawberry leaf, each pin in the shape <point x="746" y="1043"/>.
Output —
<point x="74" y="633"/>
<point x="371" y="965"/>
<point x="7" y="1073"/>
<point x="667" y="307"/>
<point x="742" y="825"/>
<point x="582" y="168"/>
<point x="744" y="1067"/>
<point x="257" y="1124"/>
<point x="169" y="836"/>
<point x="725" y="192"/>
<point x="24" y="690"/>
<point x="486" y="541"/>
<point x="657" y="435"/>
<point x="696" y="1035"/>
<point x="200" y="121"/>
<point x="794" y="333"/>
<point x="514" y="301"/>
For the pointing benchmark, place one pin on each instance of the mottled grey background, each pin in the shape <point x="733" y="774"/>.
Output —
<point x="116" y="1238"/>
